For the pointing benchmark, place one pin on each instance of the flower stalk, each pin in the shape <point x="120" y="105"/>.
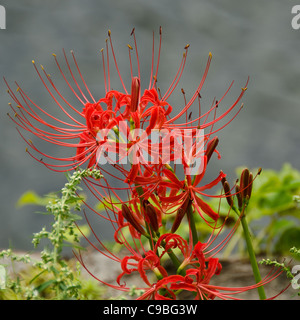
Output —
<point x="243" y="194"/>
<point x="191" y="219"/>
<point x="252" y="257"/>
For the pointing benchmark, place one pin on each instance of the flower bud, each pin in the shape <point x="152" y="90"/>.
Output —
<point x="250" y="183"/>
<point x="128" y="215"/>
<point x="151" y="215"/>
<point x="227" y="191"/>
<point x="135" y="94"/>
<point x="180" y="214"/>
<point x="239" y="196"/>
<point x="211" y="146"/>
<point x="244" y="182"/>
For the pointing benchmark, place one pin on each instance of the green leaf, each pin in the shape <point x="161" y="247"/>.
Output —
<point x="35" y="277"/>
<point x="31" y="198"/>
<point x="289" y="238"/>
<point x="45" y="285"/>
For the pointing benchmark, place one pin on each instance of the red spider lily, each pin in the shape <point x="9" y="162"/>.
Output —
<point x="197" y="279"/>
<point x="199" y="266"/>
<point x="197" y="282"/>
<point x="147" y="111"/>
<point x="195" y="264"/>
<point x="187" y="190"/>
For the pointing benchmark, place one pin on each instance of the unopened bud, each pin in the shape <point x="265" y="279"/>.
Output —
<point x="128" y="215"/>
<point x="180" y="214"/>
<point x="250" y="183"/>
<point x="244" y="182"/>
<point x="135" y="94"/>
<point x="239" y="196"/>
<point x="151" y="215"/>
<point x="227" y="192"/>
<point x="211" y="146"/>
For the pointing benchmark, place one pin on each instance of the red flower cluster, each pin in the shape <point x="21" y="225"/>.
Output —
<point x="155" y="156"/>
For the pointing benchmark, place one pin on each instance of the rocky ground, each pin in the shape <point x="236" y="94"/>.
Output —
<point x="235" y="273"/>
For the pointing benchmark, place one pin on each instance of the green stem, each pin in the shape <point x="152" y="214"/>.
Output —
<point x="256" y="273"/>
<point x="174" y="259"/>
<point x="190" y="216"/>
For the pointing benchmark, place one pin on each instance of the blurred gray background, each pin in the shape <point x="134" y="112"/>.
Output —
<point x="247" y="38"/>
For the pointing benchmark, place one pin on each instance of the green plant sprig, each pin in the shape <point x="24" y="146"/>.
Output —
<point x="53" y="276"/>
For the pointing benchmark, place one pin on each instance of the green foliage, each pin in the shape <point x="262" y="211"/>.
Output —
<point x="290" y="274"/>
<point x="273" y="212"/>
<point x="32" y="198"/>
<point x="52" y="277"/>
<point x="280" y="265"/>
